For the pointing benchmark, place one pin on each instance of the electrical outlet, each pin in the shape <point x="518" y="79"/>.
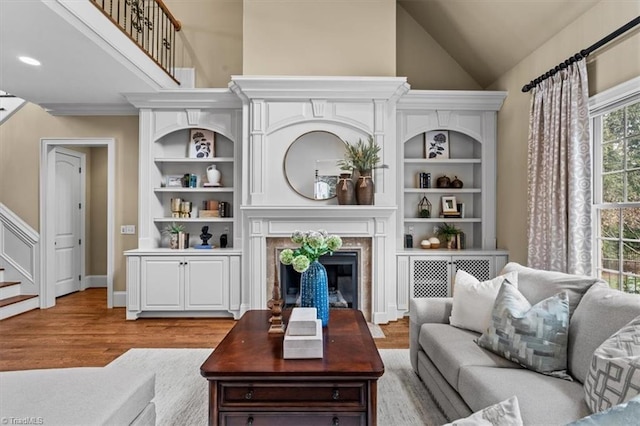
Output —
<point x="410" y="229"/>
<point x="128" y="229"/>
<point x="226" y="229"/>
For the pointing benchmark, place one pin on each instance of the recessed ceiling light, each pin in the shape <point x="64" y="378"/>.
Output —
<point x="30" y="61"/>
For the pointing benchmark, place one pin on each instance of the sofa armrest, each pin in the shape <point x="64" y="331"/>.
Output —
<point x="425" y="310"/>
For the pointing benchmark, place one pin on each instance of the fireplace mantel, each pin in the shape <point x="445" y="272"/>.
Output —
<point x="327" y="213"/>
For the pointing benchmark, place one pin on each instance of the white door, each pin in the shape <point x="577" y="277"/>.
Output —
<point x="67" y="212"/>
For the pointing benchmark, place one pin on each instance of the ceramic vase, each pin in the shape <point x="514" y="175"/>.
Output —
<point x="213" y="175"/>
<point x="173" y="241"/>
<point x="345" y="190"/>
<point x="314" y="291"/>
<point x="365" y="188"/>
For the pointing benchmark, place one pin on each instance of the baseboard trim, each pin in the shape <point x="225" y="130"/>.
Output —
<point x="95" y="281"/>
<point x="119" y="299"/>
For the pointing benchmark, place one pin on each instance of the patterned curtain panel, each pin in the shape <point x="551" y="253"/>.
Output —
<point x="559" y="172"/>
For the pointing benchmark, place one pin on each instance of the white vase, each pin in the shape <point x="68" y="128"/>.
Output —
<point x="213" y="175"/>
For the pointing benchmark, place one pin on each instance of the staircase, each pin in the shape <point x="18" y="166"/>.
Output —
<point x="12" y="301"/>
<point x="8" y="105"/>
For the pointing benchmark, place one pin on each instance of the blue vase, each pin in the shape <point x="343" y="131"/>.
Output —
<point x="314" y="291"/>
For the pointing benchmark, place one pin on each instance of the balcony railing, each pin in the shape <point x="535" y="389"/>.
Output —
<point x="149" y="24"/>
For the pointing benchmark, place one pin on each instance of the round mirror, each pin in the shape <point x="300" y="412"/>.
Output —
<point x="310" y="164"/>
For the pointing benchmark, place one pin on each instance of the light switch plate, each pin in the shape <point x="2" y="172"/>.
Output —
<point x="128" y="229"/>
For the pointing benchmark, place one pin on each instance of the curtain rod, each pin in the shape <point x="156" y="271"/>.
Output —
<point x="582" y="54"/>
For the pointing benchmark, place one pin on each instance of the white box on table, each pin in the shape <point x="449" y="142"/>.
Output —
<point x="302" y="347"/>
<point x="302" y="322"/>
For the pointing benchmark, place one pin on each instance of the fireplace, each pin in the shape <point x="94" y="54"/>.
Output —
<point x="342" y="278"/>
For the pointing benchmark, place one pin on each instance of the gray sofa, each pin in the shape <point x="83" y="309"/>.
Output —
<point x="464" y="378"/>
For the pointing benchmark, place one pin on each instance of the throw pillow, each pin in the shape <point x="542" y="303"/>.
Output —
<point x="533" y="336"/>
<point x="614" y="375"/>
<point x="473" y="300"/>
<point x="505" y="413"/>
<point x="626" y="413"/>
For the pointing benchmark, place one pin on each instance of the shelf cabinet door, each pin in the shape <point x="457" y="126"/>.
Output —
<point x="206" y="283"/>
<point x="430" y="276"/>
<point x="162" y="283"/>
<point x="481" y="267"/>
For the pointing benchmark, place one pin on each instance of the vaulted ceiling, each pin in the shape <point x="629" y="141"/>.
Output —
<point x="489" y="37"/>
<point x="486" y="37"/>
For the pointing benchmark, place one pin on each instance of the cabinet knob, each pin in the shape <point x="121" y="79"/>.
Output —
<point x="249" y="394"/>
<point x="335" y="421"/>
<point x="250" y="421"/>
<point x="335" y="395"/>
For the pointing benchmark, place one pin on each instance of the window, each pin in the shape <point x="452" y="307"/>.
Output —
<point x="616" y="143"/>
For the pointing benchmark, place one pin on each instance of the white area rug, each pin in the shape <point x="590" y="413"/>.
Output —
<point x="181" y="392"/>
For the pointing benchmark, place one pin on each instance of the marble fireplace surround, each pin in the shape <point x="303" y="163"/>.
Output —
<point x="360" y="245"/>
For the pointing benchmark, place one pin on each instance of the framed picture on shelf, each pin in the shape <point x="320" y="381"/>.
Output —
<point x="436" y="144"/>
<point x="460" y="209"/>
<point x="201" y="143"/>
<point x="449" y="205"/>
<point x="173" y="181"/>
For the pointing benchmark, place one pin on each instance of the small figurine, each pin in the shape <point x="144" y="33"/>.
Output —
<point x="205" y="236"/>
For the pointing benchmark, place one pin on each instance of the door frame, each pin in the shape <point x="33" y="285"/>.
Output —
<point x="83" y="200"/>
<point x="47" y="227"/>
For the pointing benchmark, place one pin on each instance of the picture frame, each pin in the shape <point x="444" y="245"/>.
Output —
<point x="201" y="143"/>
<point x="173" y="181"/>
<point x="449" y="205"/>
<point x="436" y="144"/>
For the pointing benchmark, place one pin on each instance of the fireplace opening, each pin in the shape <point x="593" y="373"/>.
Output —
<point x="342" y="278"/>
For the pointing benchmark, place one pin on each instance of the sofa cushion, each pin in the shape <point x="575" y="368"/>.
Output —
<point x="504" y="413"/>
<point x="533" y="336"/>
<point x="537" y="284"/>
<point x="450" y="348"/>
<point x="76" y="396"/>
<point x="543" y="400"/>
<point x="602" y="312"/>
<point x="614" y="375"/>
<point x="473" y="300"/>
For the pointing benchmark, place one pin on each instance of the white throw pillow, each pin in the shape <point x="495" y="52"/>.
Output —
<point x="473" y="300"/>
<point x="505" y="413"/>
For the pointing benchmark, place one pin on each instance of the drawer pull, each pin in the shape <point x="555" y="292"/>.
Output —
<point x="335" y="395"/>
<point x="335" y="421"/>
<point x="249" y="395"/>
<point x="249" y="421"/>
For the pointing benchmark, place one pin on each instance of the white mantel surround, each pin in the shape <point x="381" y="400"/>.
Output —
<point x="278" y="110"/>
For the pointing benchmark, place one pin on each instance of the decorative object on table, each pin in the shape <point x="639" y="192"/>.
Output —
<point x="275" y="304"/>
<point x="185" y="209"/>
<point x="456" y="183"/>
<point x="424" y="208"/>
<point x="436" y="144"/>
<point x="443" y="182"/>
<point x="201" y="143"/>
<point x="460" y="208"/>
<point x="303" y="339"/>
<point x="326" y="179"/>
<point x="449" y="206"/>
<point x="213" y="176"/>
<point x="425" y="244"/>
<point x="345" y="190"/>
<point x="174" y="230"/>
<point x="223" y="241"/>
<point x="424" y="180"/>
<point x="173" y="181"/>
<point x="314" y="290"/>
<point x="461" y="240"/>
<point x="363" y="157"/>
<point x="448" y="233"/>
<point x="204" y="236"/>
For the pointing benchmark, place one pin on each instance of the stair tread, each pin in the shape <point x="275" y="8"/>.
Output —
<point x="16" y="299"/>
<point x="8" y="283"/>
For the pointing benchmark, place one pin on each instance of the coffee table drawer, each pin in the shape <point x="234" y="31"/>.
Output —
<point x="351" y="394"/>
<point x="297" y="419"/>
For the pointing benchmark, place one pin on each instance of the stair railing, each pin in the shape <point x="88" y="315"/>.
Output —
<point x="149" y="24"/>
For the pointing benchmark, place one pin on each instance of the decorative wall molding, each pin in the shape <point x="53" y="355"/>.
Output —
<point x="20" y="250"/>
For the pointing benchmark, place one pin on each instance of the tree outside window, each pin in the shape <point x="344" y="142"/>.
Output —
<point x="616" y="135"/>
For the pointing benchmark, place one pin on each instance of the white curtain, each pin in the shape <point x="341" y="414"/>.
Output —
<point x="559" y="172"/>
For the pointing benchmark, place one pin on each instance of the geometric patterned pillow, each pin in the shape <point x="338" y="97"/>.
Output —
<point x="535" y="337"/>
<point x="614" y="375"/>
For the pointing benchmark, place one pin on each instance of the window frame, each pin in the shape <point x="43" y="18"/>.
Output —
<point x="608" y="101"/>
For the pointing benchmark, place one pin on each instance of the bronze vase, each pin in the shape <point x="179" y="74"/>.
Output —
<point x="345" y="190"/>
<point x="365" y="188"/>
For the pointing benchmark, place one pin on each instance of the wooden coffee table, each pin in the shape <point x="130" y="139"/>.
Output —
<point x="251" y="384"/>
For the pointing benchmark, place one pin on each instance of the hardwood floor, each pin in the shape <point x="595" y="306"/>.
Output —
<point x="81" y="332"/>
